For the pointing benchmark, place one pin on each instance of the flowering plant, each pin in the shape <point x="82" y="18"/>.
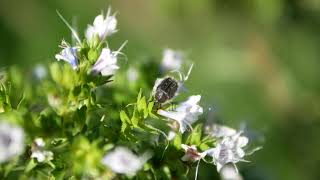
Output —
<point x="91" y="117"/>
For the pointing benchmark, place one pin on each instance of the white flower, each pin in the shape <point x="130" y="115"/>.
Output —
<point x="132" y="74"/>
<point x="172" y="60"/>
<point x="42" y="156"/>
<point x="186" y="113"/>
<point x="102" y="27"/>
<point x="54" y="100"/>
<point x="230" y="172"/>
<point x="228" y="150"/>
<point x="11" y="141"/>
<point x="192" y="153"/>
<point x="40" y="71"/>
<point x="123" y="161"/>
<point x="107" y="61"/>
<point x="39" y="142"/>
<point x="220" y="131"/>
<point x="68" y="54"/>
<point x="39" y="152"/>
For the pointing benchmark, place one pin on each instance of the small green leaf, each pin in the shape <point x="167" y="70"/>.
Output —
<point x="177" y="141"/>
<point x="124" y="127"/>
<point x="142" y="104"/>
<point x="32" y="164"/>
<point x="93" y="55"/>
<point x="56" y="72"/>
<point x="150" y="106"/>
<point x="139" y="95"/>
<point x="124" y="117"/>
<point x="135" y="118"/>
<point x="195" y="136"/>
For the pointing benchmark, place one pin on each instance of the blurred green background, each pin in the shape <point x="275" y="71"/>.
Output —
<point x="256" y="62"/>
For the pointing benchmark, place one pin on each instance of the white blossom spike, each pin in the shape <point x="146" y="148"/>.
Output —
<point x="102" y="27"/>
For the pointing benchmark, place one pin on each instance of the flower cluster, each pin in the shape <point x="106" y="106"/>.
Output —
<point x="98" y="119"/>
<point x="38" y="151"/>
<point x="106" y="62"/>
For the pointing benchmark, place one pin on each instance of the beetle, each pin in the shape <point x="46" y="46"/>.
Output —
<point x="166" y="90"/>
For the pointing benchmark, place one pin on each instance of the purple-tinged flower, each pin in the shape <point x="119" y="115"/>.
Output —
<point x="68" y="54"/>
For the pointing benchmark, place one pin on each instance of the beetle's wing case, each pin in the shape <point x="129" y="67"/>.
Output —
<point x="156" y="84"/>
<point x="167" y="85"/>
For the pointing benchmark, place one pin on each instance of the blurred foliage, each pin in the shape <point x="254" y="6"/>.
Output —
<point x="255" y="62"/>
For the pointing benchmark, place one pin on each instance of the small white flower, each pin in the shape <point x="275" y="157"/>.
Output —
<point x="230" y="172"/>
<point x="132" y="74"/>
<point x="11" y="141"/>
<point x="39" y="142"/>
<point x="102" y="27"/>
<point x="192" y="153"/>
<point x="172" y="60"/>
<point x="220" y="131"/>
<point x="54" y="100"/>
<point x="107" y="62"/>
<point x="42" y="156"/>
<point x="39" y="152"/>
<point x="123" y="161"/>
<point x="40" y="71"/>
<point x="186" y="113"/>
<point x="68" y="54"/>
<point x="228" y="150"/>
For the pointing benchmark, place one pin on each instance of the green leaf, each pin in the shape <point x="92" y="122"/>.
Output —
<point x="177" y="141"/>
<point x="207" y="142"/>
<point x="139" y="95"/>
<point x="151" y="129"/>
<point x="195" y="136"/>
<point x="32" y="164"/>
<point x="124" y="117"/>
<point x="142" y="107"/>
<point x="93" y="55"/>
<point x="150" y="106"/>
<point x="135" y="118"/>
<point x="56" y="72"/>
<point x="124" y="127"/>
